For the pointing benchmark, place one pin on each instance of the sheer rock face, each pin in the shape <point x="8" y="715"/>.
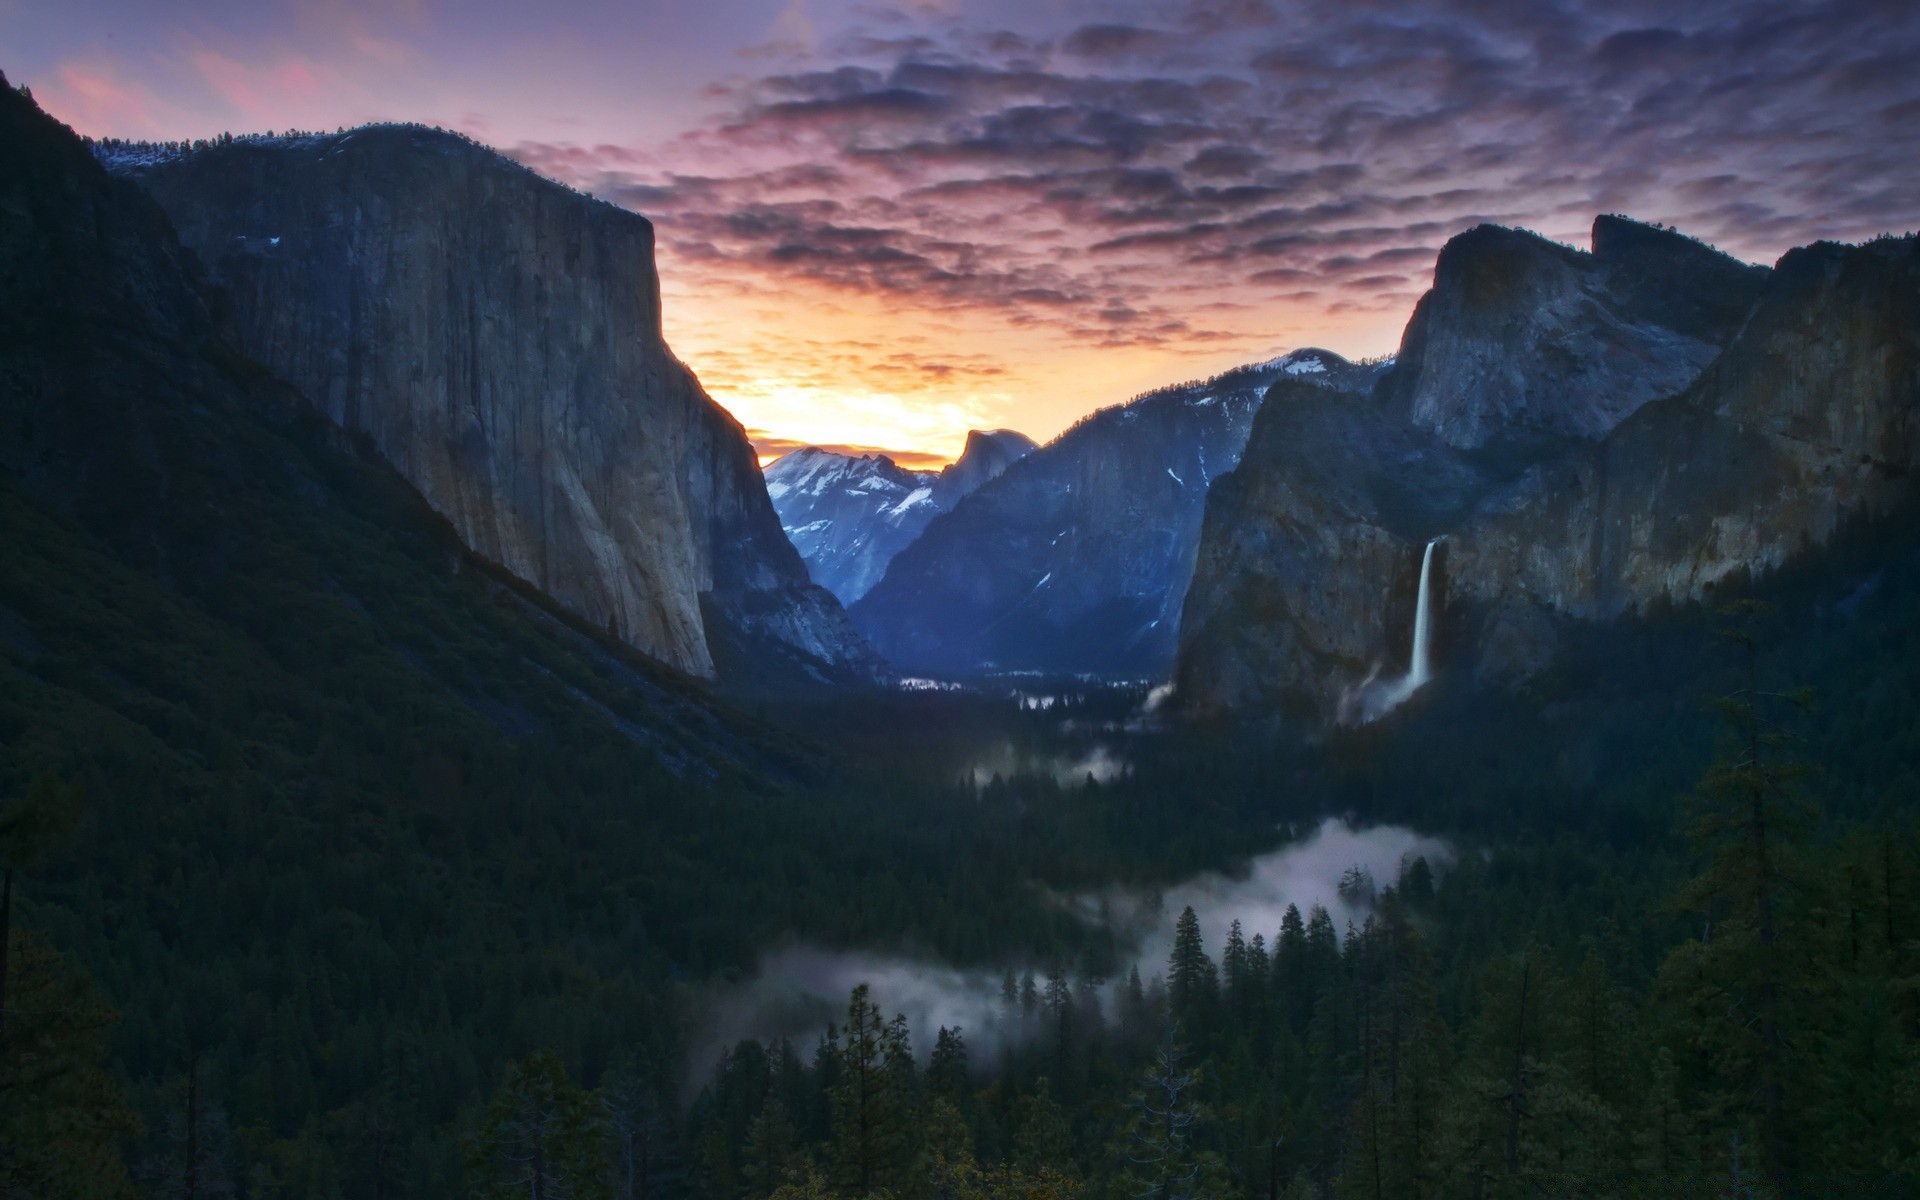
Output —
<point x="1077" y="558"/>
<point x="498" y="338"/>
<point x="1306" y="575"/>
<point x="988" y="454"/>
<point x="1521" y="338"/>
<point x="850" y="514"/>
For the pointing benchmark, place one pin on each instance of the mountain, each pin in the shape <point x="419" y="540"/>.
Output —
<point x="179" y="520"/>
<point x="497" y="336"/>
<point x="1555" y="492"/>
<point x="988" y="454"/>
<point x="848" y="515"/>
<point x="1076" y="559"/>
<point x="1523" y="339"/>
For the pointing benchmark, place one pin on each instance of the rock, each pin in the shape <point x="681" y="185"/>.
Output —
<point x="848" y="515"/>
<point x="987" y="455"/>
<point x="1551" y="507"/>
<point x="1517" y="642"/>
<point x="1076" y="559"/>
<point x="498" y="338"/>
<point x="1521" y="338"/>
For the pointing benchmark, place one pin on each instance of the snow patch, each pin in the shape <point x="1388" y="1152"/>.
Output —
<point x="914" y="499"/>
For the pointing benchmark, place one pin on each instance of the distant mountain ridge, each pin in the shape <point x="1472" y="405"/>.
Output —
<point x="498" y="337"/>
<point x="1557" y="487"/>
<point x="848" y="515"/>
<point x="1076" y="559"/>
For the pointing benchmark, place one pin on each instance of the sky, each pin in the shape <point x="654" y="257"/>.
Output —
<point x="882" y="224"/>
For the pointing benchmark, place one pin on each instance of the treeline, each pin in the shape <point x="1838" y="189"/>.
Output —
<point x="328" y="897"/>
<point x="1775" y="1053"/>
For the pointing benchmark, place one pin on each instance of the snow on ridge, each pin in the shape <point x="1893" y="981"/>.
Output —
<point x="1306" y="366"/>
<point x="915" y="498"/>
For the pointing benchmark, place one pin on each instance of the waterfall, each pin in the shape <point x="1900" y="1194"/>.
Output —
<point x="1375" y="697"/>
<point x="1419" y="670"/>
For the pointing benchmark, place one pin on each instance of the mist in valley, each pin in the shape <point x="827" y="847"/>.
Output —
<point x="798" y="990"/>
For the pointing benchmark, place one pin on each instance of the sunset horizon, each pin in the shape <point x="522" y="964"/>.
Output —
<point x="1047" y="211"/>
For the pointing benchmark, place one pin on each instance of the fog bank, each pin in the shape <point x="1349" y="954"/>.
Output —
<point x="797" y="991"/>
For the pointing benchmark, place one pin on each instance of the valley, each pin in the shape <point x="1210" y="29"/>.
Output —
<point x="436" y="760"/>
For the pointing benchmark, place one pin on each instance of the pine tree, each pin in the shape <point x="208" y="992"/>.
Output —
<point x="541" y="1137"/>
<point x="1193" y="983"/>
<point x="1162" y="1158"/>
<point x="769" y="1153"/>
<point x="1130" y="1008"/>
<point x="637" y="1129"/>
<point x="1291" y="976"/>
<point x="871" y="1105"/>
<point x="61" y="1115"/>
<point x="948" y="1076"/>
<point x="1236" y="970"/>
<point x="1056" y="1006"/>
<point x="1043" y="1141"/>
<point x="1748" y="810"/>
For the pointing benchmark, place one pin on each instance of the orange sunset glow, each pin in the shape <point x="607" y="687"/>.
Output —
<point x="880" y="227"/>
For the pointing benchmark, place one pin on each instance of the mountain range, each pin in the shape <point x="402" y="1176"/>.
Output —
<point x="1579" y="434"/>
<point x="849" y="514"/>
<point x="1076" y="559"/>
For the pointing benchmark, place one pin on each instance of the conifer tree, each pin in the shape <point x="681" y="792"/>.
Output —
<point x="1748" y="810"/>
<point x="61" y="1115"/>
<point x="769" y="1153"/>
<point x="1162" y="1156"/>
<point x="947" y="1070"/>
<point x="1044" y="1141"/>
<point x="541" y="1137"/>
<point x="637" y="1130"/>
<point x="870" y="1102"/>
<point x="1193" y="982"/>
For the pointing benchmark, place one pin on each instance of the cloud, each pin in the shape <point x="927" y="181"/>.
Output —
<point x="1153" y="181"/>
<point x="1112" y="41"/>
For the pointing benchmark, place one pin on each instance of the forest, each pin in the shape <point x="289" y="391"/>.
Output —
<point x="262" y="945"/>
<point x="338" y="863"/>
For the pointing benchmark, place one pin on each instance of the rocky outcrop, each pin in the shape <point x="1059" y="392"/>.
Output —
<point x="1812" y="414"/>
<point x="849" y="514"/>
<point x="1305" y="580"/>
<point x="1077" y="558"/>
<point x="988" y="454"/>
<point x="498" y="338"/>
<point x="1522" y="339"/>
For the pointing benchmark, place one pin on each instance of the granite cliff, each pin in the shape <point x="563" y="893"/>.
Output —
<point x="200" y="563"/>
<point x="1557" y="488"/>
<point x="498" y="338"/>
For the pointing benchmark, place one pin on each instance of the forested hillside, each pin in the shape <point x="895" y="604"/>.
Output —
<point x="334" y="862"/>
<point x="1676" y="955"/>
